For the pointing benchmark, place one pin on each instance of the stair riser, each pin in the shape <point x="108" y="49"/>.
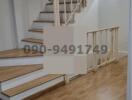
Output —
<point x="22" y="79"/>
<point x="44" y="24"/>
<point x="37" y="89"/>
<point x="3" y="97"/>
<point x="21" y="61"/>
<point x="41" y="25"/>
<point x="34" y="35"/>
<point x="51" y="7"/>
<point x="50" y="16"/>
<point x="32" y="45"/>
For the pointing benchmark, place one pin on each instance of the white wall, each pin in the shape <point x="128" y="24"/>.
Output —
<point x="7" y="26"/>
<point x="86" y="20"/>
<point x="26" y="11"/>
<point x="115" y="13"/>
<point x="129" y="80"/>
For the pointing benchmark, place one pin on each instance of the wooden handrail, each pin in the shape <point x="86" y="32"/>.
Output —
<point x="104" y="29"/>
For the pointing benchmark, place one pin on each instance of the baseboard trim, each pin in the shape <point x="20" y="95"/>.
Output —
<point x="123" y="52"/>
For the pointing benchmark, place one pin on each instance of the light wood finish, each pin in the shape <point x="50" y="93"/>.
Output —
<point x="16" y="53"/>
<point x="30" y="85"/>
<point x="108" y="83"/>
<point x="45" y="91"/>
<point x="36" y="30"/>
<point x="53" y="12"/>
<point x="7" y="73"/>
<point x="43" y="21"/>
<point x="112" y="50"/>
<point x="103" y="29"/>
<point x="37" y="41"/>
<point x="46" y="21"/>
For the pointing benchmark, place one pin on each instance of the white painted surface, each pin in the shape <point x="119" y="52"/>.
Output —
<point x="21" y="61"/>
<point x="40" y="25"/>
<point x="50" y="16"/>
<point x="7" y="27"/>
<point x="85" y="21"/>
<point x="38" y="89"/>
<point x="25" y="12"/>
<point x="129" y="80"/>
<point x="34" y="90"/>
<point x="59" y="64"/>
<point x="22" y="79"/>
<point x="35" y="35"/>
<point x="115" y="13"/>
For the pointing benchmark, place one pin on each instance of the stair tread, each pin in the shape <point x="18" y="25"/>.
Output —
<point x="29" y="85"/>
<point x="11" y="72"/>
<point x="42" y="21"/>
<point x="62" y="3"/>
<point x="53" y="12"/>
<point x="36" y="30"/>
<point x="32" y="40"/>
<point x="45" y="21"/>
<point x="17" y="53"/>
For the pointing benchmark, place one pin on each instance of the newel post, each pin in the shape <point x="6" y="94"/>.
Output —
<point x="56" y="12"/>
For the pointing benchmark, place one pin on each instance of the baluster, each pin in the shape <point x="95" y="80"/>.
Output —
<point x="116" y="42"/>
<point x="67" y="79"/>
<point x="100" y="54"/>
<point x="107" y="44"/>
<point x="56" y="13"/>
<point x="94" y="45"/>
<point x="112" y="44"/>
<point x="71" y="5"/>
<point x="114" y="37"/>
<point x="65" y="12"/>
<point x="79" y="2"/>
<point x="87" y="54"/>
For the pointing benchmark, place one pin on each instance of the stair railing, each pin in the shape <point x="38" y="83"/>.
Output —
<point x="106" y="41"/>
<point x="69" y="11"/>
<point x="73" y="9"/>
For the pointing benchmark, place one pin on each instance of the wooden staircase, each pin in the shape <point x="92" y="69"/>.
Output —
<point x="20" y="81"/>
<point x="23" y="74"/>
<point x="30" y="85"/>
<point x="17" y="53"/>
<point x="11" y="72"/>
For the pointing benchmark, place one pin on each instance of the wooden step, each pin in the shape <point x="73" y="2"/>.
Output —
<point x="36" y="30"/>
<point x="11" y="72"/>
<point x="17" y="53"/>
<point x="43" y="21"/>
<point x="74" y="2"/>
<point x="36" y="41"/>
<point x="46" y="21"/>
<point x="27" y="86"/>
<point x="53" y="12"/>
